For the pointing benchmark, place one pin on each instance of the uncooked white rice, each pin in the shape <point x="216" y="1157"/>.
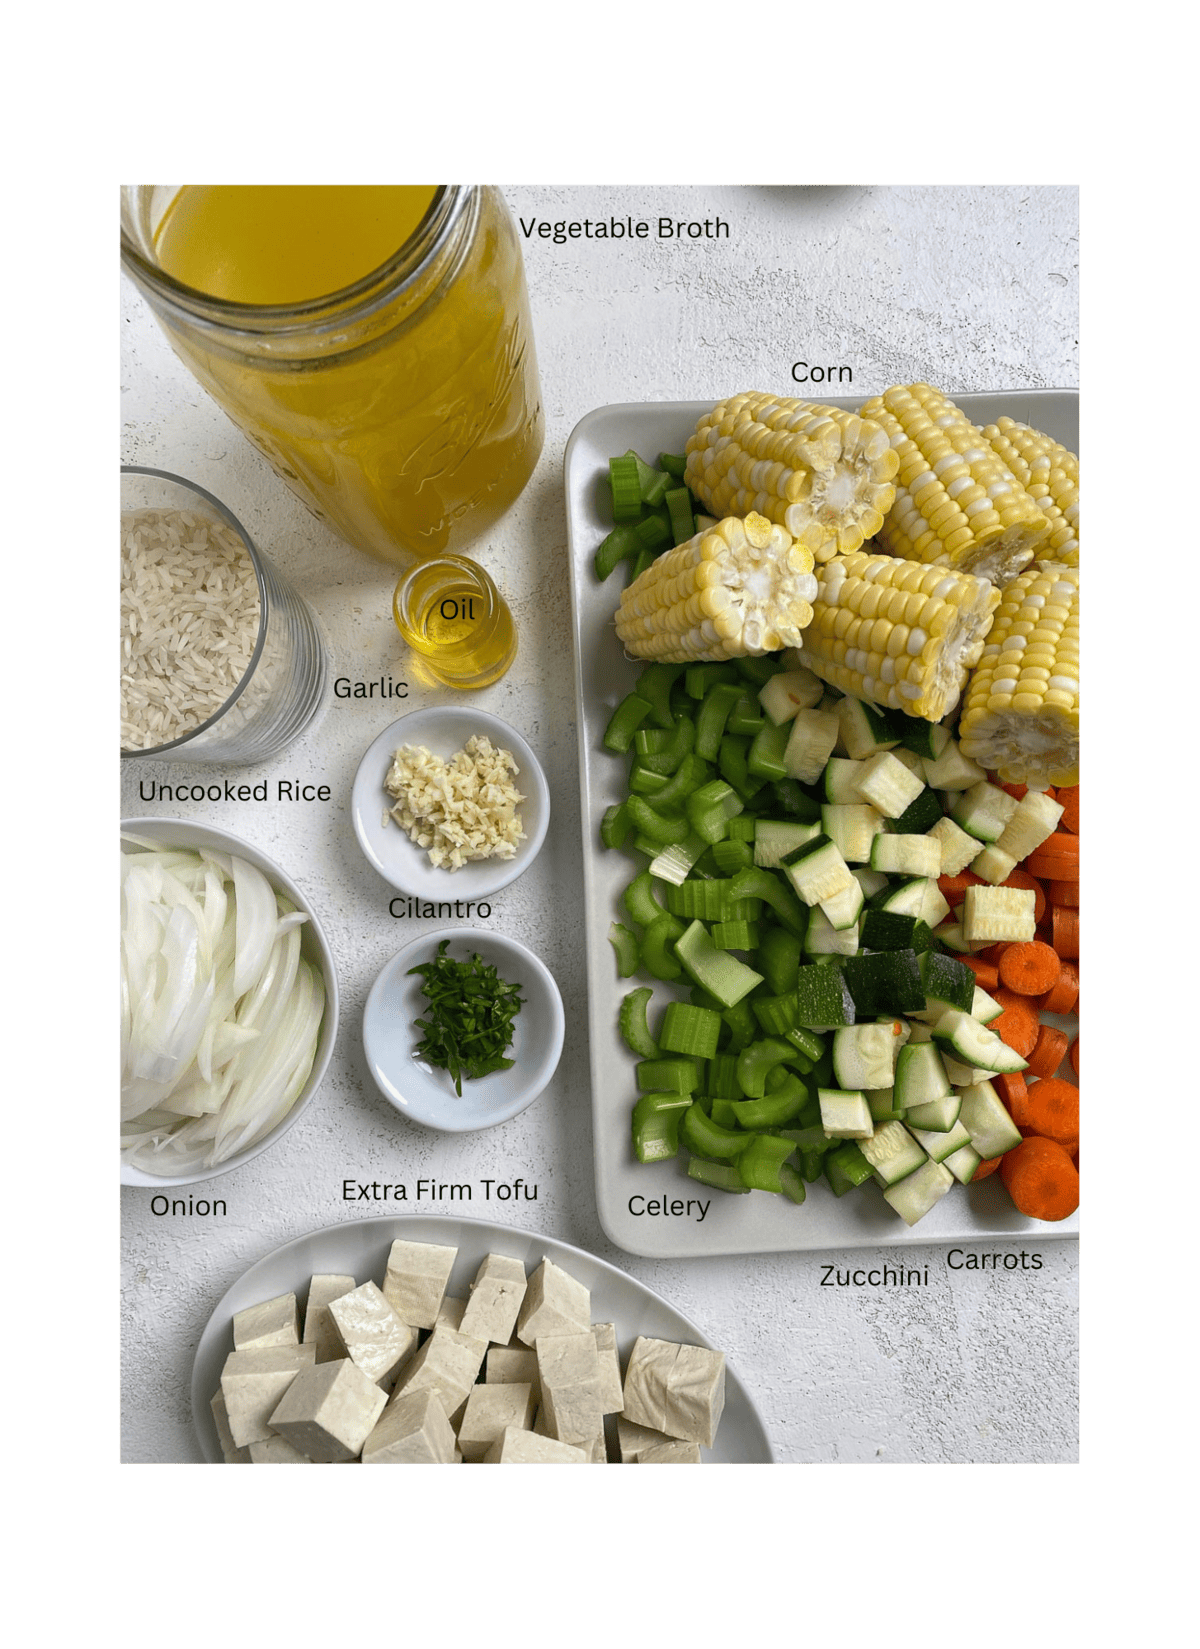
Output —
<point x="189" y="622"/>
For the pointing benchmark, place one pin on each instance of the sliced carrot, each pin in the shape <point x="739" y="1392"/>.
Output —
<point x="953" y="888"/>
<point x="1057" y="858"/>
<point x="1010" y="1086"/>
<point x="1017" y="790"/>
<point x="1041" y="1179"/>
<point x="986" y="974"/>
<point x="1017" y="1025"/>
<point x="1065" y="928"/>
<point x="986" y="1168"/>
<point x="1047" y="1055"/>
<point x="1029" y="968"/>
<point x="1068" y="800"/>
<point x="1052" y="1110"/>
<point x="1022" y="879"/>
<point x="1074" y="1056"/>
<point x="1064" y="893"/>
<point x="1064" y="996"/>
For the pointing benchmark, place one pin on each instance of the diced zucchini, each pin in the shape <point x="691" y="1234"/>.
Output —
<point x="957" y="848"/>
<point x="810" y="744"/>
<point x="888" y="785"/>
<point x="983" y="1007"/>
<point x="1035" y="818"/>
<point x="823" y="939"/>
<point x="842" y="910"/>
<point x="938" y="1117"/>
<point x="717" y="971"/>
<point x="840" y="779"/>
<point x="788" y="692"/>
<point x="920" y="1075"/>
<point x="984" y="810"/>
<point x="773" y="838"/>
<point x="892" y="1152"/>
<point x="866" y="729"/>
<point x="940" y="1147"/>
<point x="992" y="1130"/>
<point x="994" y="914"/>
<point x="862" y="1056"/>
<point x="993" y="865"/>
<point x="818" y="871"/>
<point x="824" y="1002"/>
<point x="906" y="855"/>
<point x="963" y="1163"/>
<point x="852" y="827"/>
<point x="884" y="982"/>
<point x="972" y="1042"/>
<point x="949" y="981"/>
<point x="951" y="770"/>
<point x="917" y="1193"/>
<point x="845" y="1115"/>
<point x="909" y="898"/>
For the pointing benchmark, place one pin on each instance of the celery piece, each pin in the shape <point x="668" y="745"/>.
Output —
<point x="722" y="1077"/>
<point x="627" y="948"/>
<point x="707" y="1138"/>
<point x="668" y="1076"/>
<point x="730" y="856"/>
<point x="760" y="1057"/>
<point x="660" y="750"/>
<point x="626" y="488"/>
<point x="765" y="757"/>
<point x="624" y="722"/>
<point x="846" y="1167"/>
<point x="746" y="718"/>
<point x="756" y="882"/>
<point x="656" y="1119"/>
<point x="632" y="1024"/>
<point x="710" y="807"/>
<point x="719" y="972"/>
<point x="615" y="825"/>
<point x="760" y="668"/>
<point x="775" y="1109"/>
<point x="735" y="935"/>
<point x="779" y="958"/>
<point x="691" y="774"/>
<point x="679" y="506"/>
<point x="654" y="684"/>
<point x="674" y="862"/>
<point x="759" y="1164"/>
<point x="712" y="716"/>
<point x="689" y="1030"/>
<point x="655" y="826"/>
<point x="638" y="899"/>
<point x="622" y="544"/>
<point x="721" y="1176"/>
<point x="675" y="464"/>
<point x="658" y="941"/>
<point x="699" y="678"/>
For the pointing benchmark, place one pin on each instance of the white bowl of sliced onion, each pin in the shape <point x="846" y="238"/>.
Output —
<point x="229" y="1002"/>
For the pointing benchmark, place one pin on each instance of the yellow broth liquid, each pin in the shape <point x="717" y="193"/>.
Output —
<point x="411" y="442"/>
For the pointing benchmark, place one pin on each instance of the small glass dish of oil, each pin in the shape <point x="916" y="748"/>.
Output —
<point x="456" y="621"/>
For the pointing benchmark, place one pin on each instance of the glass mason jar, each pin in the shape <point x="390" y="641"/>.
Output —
<point x="404" y="410"/>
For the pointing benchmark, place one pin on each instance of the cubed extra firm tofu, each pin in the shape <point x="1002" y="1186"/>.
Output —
<point x="277" y="1451"/>
<point x="527" y="1448"/>
<point x="373" y="1335"/>
<point x="633" y="1440"/>
<point x="447" y="1363"/>
<point x="417" y="1274"/>
<point x="272" y="1323"/>
<point x="676" y="1389"/>
<point x="569" y="1371"/>
<point x="508" y="1363"/>
<point x="232" y="1455"/>
<point x="554" y="1304"/>
<point x="489" y="1412"/>
<point x="319" y="1327"/>
<point x="496" y="1298"/>
<point x="451" y="1311"/>
<point x="412" y="1431"/>
<point x="328" y="1411"/>
<point x="594" y="1446"/>
<point x="252" y="1382"/>
<point x="612" y="1396"/>
<point x="674" y="1452"/>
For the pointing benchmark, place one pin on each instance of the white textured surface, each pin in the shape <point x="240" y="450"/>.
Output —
<point x="970" y="288"/>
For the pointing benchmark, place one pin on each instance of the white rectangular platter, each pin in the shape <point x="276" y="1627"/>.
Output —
<point x="631" y="1196"/>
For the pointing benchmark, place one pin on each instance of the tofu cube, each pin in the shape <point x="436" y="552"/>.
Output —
<point x="451" y="1311"/>
<point x="554" y="1304"/>
<point x="252" y="1383"/>
<point x="527" y="1448"/>
<point x="373" y="1335"/>
<point x="273" y="1323"/>
<point x="417" y="1274"/>
<point x="569" y="1371"/>
<point x="674" y="1452"/>
<point x="490" y="1411"/>
<point x="447" y="1363"/>
<point x="513" y="1363"/>
<point x="412" y="1431"/>
<point x="277" y="1451"/>
<point x="328" y="1411"/>
<point x="612" y="1397"/>
<point x="319" y="1327"/>
<point x="675" y="1388"/>
<point x="232" y="1455"/>
<point x="496" y="1297"/>
<point x="633" y="1440"/>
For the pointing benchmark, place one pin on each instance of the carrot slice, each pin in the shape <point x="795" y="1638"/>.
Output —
<point x="1010" y="1085"/>
<point x="1017" y="790"/>
<point x="1064" y="893"/>
<point x="1074" y="1056"/>
<point x="986" y="1168"/>
<point x="1063" y="996"/>
<point x="1047" y="1056"/>
<point x="1068" y="800"/>
<point x="1065" y="928"/>
<point x="1052" y="1109"/>
<point x="1022" y="879"/>
<point x="1057" y="858"/>
<point x="1029" y="968"/>
<point x="1017" y="1025"/>
<point x="986" y="974"/>
<point x="953" y="888"/>
<point x="1041" y="1179"/>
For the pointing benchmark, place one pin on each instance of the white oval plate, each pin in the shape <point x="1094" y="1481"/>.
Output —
<point x="444" y="729"/>
<point x="359" y="1248"/>
<point x="425" y="1094"/>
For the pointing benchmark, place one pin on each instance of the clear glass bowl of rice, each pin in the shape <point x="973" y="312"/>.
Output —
<point x="221" y="660"/>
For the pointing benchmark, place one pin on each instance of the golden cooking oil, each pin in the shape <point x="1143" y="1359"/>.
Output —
<point x="456" y="621"/>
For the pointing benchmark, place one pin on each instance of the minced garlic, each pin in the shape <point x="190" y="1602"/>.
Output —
<point x="461" y="809"/>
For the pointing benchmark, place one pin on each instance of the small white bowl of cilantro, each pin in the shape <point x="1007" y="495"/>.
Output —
<point x="463" y="1029"/>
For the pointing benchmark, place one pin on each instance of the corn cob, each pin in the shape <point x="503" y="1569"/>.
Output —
<point x="1021" y="708"/>
<point x="1050" y="475"/>
<point x="898" y="633"/>
<point x="823" y="473"/>
<point x="958" y="504"/>
<point x="740" y="589"/>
